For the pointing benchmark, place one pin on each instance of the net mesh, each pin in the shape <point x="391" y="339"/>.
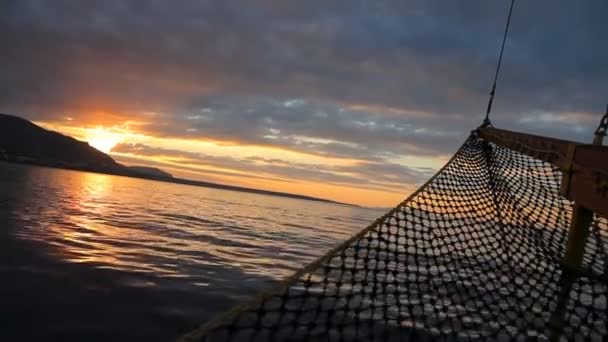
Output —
<point x="475" y="254"/>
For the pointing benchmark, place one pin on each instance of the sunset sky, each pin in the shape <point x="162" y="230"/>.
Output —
<point x="355" y="101"/>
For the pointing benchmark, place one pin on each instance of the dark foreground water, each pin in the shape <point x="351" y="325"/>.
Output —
<point x="90" y="257"/>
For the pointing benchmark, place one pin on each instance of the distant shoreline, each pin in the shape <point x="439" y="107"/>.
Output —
<point x="23" y="142"/>
<point x="183" y="181"/>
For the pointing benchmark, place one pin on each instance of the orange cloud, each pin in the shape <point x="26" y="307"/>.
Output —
<point x="269" y="168"/>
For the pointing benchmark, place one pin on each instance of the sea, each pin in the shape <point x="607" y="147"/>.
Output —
<point x="93" y="257"/>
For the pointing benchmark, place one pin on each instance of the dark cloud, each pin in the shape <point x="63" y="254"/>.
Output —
<point x="315" y="127"/>
<point x="376" y="79"/>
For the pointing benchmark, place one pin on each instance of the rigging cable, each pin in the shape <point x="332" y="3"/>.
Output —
<point x="486" y="120"/>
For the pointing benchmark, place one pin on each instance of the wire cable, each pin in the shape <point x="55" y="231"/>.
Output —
<point x="486" y="120"/>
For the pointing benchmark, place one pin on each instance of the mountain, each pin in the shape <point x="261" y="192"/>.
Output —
<point x="24" y="142"/>
<point x="150" y="171"/>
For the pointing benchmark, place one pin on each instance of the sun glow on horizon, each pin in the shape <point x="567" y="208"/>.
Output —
<point x="102" y="139"/>
<point x="216" y="161"/>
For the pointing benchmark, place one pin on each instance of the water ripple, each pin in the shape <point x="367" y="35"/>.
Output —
<point x="97" y="236"/>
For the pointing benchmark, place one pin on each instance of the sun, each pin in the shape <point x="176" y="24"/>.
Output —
<point x="103" y="144"/>
<point x="102" y="139"/>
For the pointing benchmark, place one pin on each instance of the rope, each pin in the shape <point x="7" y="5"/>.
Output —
<point x="232" y="314"/>
<point x="486" y="120"/>
<point x="475" y="245"/>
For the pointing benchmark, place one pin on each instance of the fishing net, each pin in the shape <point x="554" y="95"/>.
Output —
<point x="474" y="254"/>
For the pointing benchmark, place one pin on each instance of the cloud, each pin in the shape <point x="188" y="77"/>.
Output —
<point x="372" y="81"/>
<point x="422" y="55"/>
<point x="377" y="175"/>
<point x="314" y="127"/>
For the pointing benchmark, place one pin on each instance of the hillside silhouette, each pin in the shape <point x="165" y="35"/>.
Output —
<point x="21" y="141"/>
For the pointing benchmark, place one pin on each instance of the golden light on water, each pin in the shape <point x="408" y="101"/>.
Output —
<point x="131" y="225"/>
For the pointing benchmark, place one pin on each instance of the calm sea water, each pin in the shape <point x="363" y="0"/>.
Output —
<point x="92" y="257"/>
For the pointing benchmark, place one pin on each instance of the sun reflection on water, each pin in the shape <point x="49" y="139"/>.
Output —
<point x="181" y="232"/>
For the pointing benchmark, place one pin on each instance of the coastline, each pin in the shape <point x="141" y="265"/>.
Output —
<point x="182" y="181"/>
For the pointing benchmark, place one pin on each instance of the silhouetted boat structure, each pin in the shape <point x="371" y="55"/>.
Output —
<point x="508" y="241"/>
